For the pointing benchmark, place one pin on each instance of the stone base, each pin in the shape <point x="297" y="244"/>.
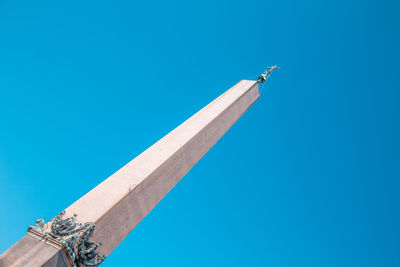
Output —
<point x="36" y="249"/>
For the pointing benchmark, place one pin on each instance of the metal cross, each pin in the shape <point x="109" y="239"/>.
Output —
<point x="263" y="77"/>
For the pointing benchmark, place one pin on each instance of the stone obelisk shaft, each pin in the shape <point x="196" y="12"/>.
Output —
<point x="121" y="201"/>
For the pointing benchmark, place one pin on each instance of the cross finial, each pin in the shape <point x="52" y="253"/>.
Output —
<point x="263" y="77"/>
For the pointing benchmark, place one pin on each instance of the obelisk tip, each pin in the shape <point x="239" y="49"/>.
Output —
<point x="263" y="77"/>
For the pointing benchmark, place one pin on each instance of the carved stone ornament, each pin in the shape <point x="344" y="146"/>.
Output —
<point x="67" y="232"/>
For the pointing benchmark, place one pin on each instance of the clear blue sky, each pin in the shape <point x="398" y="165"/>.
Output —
<point x="309" y="176"/>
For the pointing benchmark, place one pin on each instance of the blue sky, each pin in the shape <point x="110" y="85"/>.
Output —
<point x="309" y="176"/>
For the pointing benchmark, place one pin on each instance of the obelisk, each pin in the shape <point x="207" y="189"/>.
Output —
<point x="112" y="209"/>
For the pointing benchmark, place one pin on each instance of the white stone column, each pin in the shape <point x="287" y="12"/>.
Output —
<point x="121" y="201"/>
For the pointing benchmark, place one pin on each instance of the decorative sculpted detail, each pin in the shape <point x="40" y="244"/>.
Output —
<point x="66" y="227"/>
<point x="67" y="232"/>
<point x="87" y="249"/>
<point x="70" y="243"/>
<point x="39" y="225"/>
